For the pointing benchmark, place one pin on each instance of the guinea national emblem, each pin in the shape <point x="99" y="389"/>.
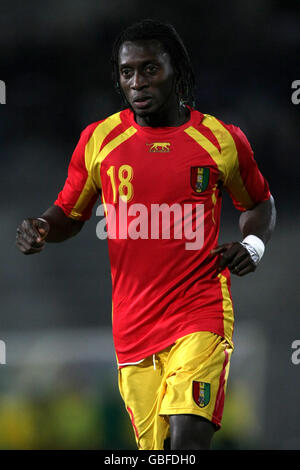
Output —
<point x="199" y="178"/>
<point x="201" y="393"/>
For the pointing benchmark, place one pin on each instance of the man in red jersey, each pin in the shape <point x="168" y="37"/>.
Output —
<point x="157" y="161"/>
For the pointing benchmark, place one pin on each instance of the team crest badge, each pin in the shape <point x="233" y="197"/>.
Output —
<point x="201" y="393"/>
<point x="199" y="178"/>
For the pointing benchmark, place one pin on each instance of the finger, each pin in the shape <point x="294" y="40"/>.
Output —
<point x="32" y="226"/>
<point x="239" y="258"/>
<point x="27" y="249"/>
<point x="22" y="237"/>
<point x="219" y="249"/>
<point x="28" y="240"/>
<point x="20" y="245"/>
<point x="33" y="251"/>
<point x="29" y="232"/>
<point x="42" y="227"/>
<point x="247" y="270"/>
<point x="228" y="257"/>
<point x="244" y="265"/>
<point x="42" y="231"/>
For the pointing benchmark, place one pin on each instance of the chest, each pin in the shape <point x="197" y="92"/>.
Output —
<point x="159" y="169"/>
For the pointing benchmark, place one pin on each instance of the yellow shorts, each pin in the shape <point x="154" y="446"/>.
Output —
<point x="188" y="377"/>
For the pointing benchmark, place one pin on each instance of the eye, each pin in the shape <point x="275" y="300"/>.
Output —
<point x="151" y="68"/>
<point x="126" y="72"/>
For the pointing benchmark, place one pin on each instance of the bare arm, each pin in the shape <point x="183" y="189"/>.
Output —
<point x="56" y="227"/>
<point x="259" y="221"/>
<point x="61" y="227"/>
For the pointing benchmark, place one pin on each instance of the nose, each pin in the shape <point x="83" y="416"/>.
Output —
<point x="139" y="81"/>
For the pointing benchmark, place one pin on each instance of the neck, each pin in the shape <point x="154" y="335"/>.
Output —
<point x="171" y="117"/>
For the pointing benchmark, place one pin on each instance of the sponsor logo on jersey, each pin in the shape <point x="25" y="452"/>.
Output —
<point x="199" y="178"/>
<point x="160" y="147"/>
<point x="201" y="393"/>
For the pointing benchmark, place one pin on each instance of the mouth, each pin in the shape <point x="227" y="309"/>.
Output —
<point x="142" y="102"/>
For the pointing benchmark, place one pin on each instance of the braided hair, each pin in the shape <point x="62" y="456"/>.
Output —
<point x="168" y="37"/>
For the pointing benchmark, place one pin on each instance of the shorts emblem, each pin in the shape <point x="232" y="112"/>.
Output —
<point x="201" y="393"/>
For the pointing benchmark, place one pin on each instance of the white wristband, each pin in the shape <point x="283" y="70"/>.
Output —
<point x="255" y="247"/>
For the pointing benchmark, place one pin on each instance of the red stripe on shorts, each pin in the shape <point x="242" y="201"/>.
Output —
<point x="132" y="421"/>
<point x="219" y="405"/>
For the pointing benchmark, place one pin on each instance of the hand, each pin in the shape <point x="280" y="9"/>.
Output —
<point x="234" y="256"/>
<point x="31" y="235"/>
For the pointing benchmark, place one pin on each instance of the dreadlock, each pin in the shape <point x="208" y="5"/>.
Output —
<point x="166" y="34"/>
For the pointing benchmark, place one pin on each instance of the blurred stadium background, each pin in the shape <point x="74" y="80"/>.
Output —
<point x="58" y="388"/>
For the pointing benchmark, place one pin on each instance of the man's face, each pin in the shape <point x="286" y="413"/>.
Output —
<point x="146" y="76"/>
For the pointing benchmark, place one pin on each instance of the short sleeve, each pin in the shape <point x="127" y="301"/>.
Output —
<point x="79" y="193"/>
<point x="245" y="183"/>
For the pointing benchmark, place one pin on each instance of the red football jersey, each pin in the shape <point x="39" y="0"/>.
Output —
<point x="164" y="282"/>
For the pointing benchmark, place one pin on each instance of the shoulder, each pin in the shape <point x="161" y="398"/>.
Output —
<point x="104" y="125"/>
<point x="89" y="129"/>
<point x="210" y="120"/>
<point x="227" y="131"/>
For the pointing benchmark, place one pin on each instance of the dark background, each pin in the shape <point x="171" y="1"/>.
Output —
<point x="55" y="61"/>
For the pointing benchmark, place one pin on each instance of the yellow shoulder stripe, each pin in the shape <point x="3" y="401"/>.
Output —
<point x="94" y="157"/>
<point x="227" y="160"/>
